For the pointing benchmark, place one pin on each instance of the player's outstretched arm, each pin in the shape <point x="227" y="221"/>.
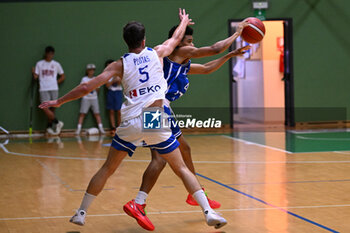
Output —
<point x="218" y="47"/>
<point x="113" y="69"/>
<point x="169" y="45"/>
<point x="212" y="66"/>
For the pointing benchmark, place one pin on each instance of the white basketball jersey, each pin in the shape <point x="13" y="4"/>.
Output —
<point x="143" y="82"/>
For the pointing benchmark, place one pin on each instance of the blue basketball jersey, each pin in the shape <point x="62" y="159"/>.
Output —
<point x="176" y="77"/>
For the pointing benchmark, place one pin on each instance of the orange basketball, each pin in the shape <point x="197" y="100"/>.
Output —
<point x="255" y="32"/>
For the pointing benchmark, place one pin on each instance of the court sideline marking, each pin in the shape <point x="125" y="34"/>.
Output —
<point x="176" y="212"/>
<point x="275" y="148"/>
<point x="257" y="144"/>
<point x="269" y="204"/>
<point x="323" y="139"/>
<point x="342" y="152"/>
<point x="147" y="161"/>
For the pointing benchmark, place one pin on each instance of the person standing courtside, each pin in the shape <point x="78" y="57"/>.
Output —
<point x="46" y="71"/>
<point x="114" y="99"/>
<point x="90" y="101"/>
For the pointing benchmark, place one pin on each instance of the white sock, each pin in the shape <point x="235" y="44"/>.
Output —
<point x="202" y="200"/>
<point x="79" y="127"/>
<point x="100" y="126"/>
<point x="87" y="200"/>
<point x="141" y="198"/>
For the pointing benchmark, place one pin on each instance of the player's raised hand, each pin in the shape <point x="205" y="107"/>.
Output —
<point x="240" y="51"/>
<point x="241" y="26"/>
<point x="184" y="16"/>
<point x="49" y="104"/>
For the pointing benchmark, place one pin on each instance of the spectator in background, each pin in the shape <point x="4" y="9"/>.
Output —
<point x="46" y="71"/>
<point x="114" y="98"/>
<point x="89" y="101"/>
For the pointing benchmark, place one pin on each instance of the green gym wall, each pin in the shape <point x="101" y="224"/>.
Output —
<point x="90" y="32"/>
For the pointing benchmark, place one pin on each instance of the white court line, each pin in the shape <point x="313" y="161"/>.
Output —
<point x="178" y="212"/>
<point x="274" y="148"/>
<point x="323" y="139"/>
<point x="314" y="131"/>
<point x="201" y="162"/>
<point x="257" y="144"/>
<point x="342" y="152"/>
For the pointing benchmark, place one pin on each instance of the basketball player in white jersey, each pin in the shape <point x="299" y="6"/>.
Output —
<point x="141" y="71"/>
<point x="176" y="68"/>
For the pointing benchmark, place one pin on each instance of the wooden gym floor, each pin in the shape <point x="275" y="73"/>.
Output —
<point x="263" y="186"/>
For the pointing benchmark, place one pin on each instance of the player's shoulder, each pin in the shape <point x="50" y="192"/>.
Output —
<point x="183" y="52"/>
<point x="150" y="50"/>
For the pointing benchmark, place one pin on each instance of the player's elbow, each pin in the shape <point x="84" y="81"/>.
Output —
<point x="84" y="88"/>
<point x="176" y="40"/>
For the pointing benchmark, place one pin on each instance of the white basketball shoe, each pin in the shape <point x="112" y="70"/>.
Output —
<point x="79" y="218"/>
<point x="214" y="219"/>
<point x="59" y="127"/>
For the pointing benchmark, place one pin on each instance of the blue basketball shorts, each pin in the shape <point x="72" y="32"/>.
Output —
<point x="130" y="134"/>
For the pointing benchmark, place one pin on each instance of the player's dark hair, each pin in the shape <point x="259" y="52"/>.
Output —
<point x="188" y="32"/>
<point x="133" y="34"/>
<point x="109" y="61"/>
<point x="49" y="49"/>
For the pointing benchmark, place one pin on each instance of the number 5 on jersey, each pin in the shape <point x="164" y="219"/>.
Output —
<point x="141" y="70"/>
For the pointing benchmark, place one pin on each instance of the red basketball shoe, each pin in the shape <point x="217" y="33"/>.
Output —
<point x="137" y="211"/>
<point x="213" y="204"/>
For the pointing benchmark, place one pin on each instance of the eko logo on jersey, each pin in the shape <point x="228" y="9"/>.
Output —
<point x="152" y="119"/>
<point x="143" y="91"/>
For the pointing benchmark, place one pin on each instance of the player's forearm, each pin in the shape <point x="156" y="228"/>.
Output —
<point x="214" y="65"/>
<point x="211" y="66"/>
<point x="222" y="45"/>
<point x="180" y="31"/>
<point x="85" y="88"/>
<point x="74" y="94"/>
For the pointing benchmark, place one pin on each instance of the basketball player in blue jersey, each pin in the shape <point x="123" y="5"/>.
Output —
<point x="141" y="72"/>
<point x="176" y="67"/>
